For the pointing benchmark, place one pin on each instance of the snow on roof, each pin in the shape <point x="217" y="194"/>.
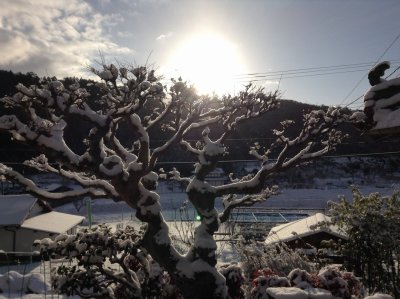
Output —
<point x="15" y="208"/>
<point x="302" y="228"/>
<point x="53" y="222"/>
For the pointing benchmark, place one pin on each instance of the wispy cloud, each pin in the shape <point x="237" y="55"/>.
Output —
<point x="163" y="37"/>
<point x="54" y="37"/>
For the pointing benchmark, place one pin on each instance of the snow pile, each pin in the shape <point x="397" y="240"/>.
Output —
<point x="286" y="293"/>
<point x="317" y="293"/>
<point x="14" y="282"/>
<point x="379" y="296"/>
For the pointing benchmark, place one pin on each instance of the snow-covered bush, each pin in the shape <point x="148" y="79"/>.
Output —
<point x="278" y="258"/>
<point x="106" y="263"/>
<point x="263" y="279"/>
<point x="123" y="113"/>
<point x="328" y="283"/>
<point x="234" y="280"/>
<point x="372" y="252"/>
<point x="340" y="284"/>
<point x="300" y="278"/>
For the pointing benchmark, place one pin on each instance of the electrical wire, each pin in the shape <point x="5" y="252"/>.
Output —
<point x="276" y="77"/>
<point x="366" y="74"/>
<point x="396" y="69"/>
<point x="392" y="72"/>
<point x="252" y="160"/>
<point x="320" y="71"/>
<point x="312" y="69"/>
<point x="315" y="71"/>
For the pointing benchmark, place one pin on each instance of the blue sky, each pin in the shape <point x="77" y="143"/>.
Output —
<point x="218" y="41"/>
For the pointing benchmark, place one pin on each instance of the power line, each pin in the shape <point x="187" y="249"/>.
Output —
<point x="311" y="69"/>
<point x="253" y="139"/>
<point x="360" y="97"/>
<point x="396" y="69"/>
<point x="364" y="154"/>
<point x="252" y="160"/>
<point x="329" y="157"/>
<point x="359" y="106"/>
<point x="366" y="74"/>
<point x="276" y="77"/>
<point x="393" y="72"/>
<point x="319" y="71"/>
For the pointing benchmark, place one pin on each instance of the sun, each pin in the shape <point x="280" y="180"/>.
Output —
<point x="209" y="62"/>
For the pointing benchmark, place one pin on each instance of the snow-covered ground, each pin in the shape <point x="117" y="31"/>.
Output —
<point x="107" y="211"/>
<point x="17" y="280"/>
<point x="317" y="198"/>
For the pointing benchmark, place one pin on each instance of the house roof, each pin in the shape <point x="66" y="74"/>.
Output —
<point x="15" y="208"/>
<point x="304" y="227"/>
<point x="53" y="222"/>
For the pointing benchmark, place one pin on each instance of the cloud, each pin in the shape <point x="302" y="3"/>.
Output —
<point x="124" y="33"/>
<point x="55" y="37"/>
<point x="164" y="37"/>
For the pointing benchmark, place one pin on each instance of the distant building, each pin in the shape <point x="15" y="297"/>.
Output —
<point x="245" y="168"/>
<point x="307" y="233"/>
<point x="217" y="177"/>
<point x="24" y="219"/>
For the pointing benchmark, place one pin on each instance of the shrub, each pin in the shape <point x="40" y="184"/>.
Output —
<point x="372" y="224"/>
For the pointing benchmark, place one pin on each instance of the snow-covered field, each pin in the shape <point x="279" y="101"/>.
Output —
<point x="105" y="211"/>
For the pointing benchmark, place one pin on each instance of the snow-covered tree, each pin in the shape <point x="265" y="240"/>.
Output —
<point x="372" y="251"/>
<point x="127" y="170"/>
<point x="106" y="264"/>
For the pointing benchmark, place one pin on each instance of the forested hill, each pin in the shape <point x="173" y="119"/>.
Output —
<point x="255" y="130"/>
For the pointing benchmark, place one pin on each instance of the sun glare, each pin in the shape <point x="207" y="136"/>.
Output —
<point x="209" y="62"/>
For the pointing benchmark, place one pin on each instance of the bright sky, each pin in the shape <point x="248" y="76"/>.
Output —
<point x="213" y="44"/>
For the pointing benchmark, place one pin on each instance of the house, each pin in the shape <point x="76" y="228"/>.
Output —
<point x="24" y="219"/>
<point x="307" y="233"/>
<point x="216" y="177"/>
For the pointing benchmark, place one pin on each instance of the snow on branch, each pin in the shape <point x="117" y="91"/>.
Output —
<point x="255" y="152"/>
<point x="40" y="163"/>
<point x="317" y="137"/>
<point x="31" y="187"/>
<point x="44" y="133"/>
<point x="232" y="201"/>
